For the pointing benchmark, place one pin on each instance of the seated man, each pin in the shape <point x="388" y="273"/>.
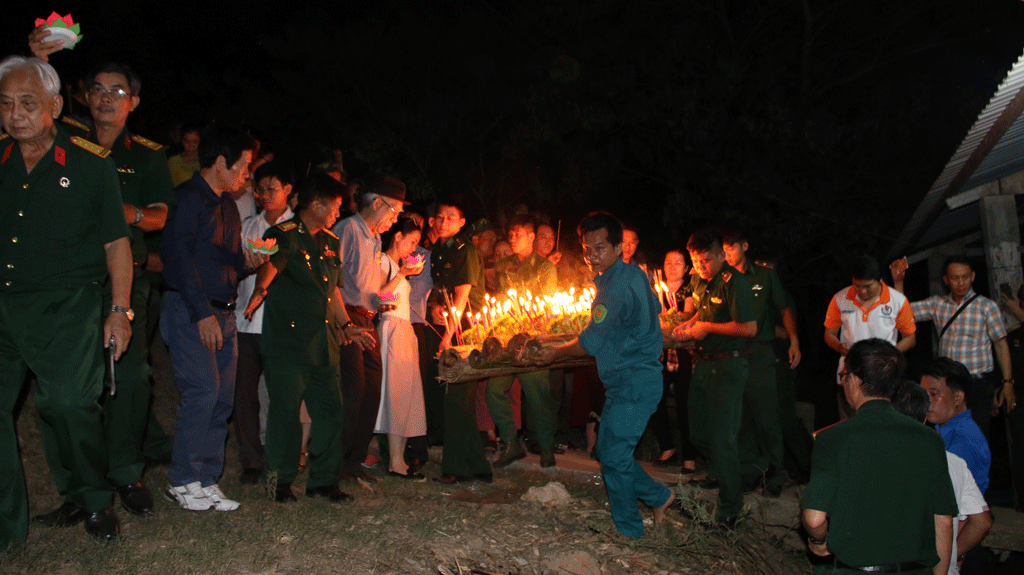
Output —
<point x="866" y="503"/>
<point x="945" y="381"/>
<point x="974" y="521"/>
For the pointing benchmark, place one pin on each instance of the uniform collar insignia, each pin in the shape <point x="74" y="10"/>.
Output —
<point x="726" y="276"/>
<point x="59" y="155"/>
<point x="127" y="141"/>
<point x="7" y="153"/>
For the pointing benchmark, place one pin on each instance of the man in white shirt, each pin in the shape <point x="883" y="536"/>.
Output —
<point x="273" y="185"/>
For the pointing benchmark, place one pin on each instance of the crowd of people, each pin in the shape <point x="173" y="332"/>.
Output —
<point x="311" y="312"/>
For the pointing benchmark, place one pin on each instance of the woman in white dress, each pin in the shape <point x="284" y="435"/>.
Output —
<point x="402" y="413"/>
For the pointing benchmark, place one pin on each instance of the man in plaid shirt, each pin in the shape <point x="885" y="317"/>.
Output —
<point x="967" y="339"/>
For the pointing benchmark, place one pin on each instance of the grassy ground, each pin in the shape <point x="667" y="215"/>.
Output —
<point x="393" y="527"/>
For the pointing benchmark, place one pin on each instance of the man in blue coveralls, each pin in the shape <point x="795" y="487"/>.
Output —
<point x="624" y="336"/>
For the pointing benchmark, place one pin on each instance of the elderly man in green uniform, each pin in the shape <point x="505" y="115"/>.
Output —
<point x="524" y="270"/>
<point x="50" y="314"/>
<point x="880" y="499"/>
<point x="304" y="325"/>
<point x="146" y="193"/>
<point x="723" y="326"/>
<point x="458" y="270"/>
<point x="760" y="443"/>
<point x="624" y="336"/>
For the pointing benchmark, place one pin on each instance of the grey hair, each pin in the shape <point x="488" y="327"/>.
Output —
<point x="367" y="199"/>
<point x="47" y="75"/>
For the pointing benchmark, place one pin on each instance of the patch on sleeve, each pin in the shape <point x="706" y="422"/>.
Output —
<point x="599" y="313"/>
<point x="286" y="226"/>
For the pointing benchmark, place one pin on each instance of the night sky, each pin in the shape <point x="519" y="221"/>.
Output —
<point x="819" y="133"/>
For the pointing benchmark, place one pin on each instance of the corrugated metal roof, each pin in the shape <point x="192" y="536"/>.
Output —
<point x="992" y="149"/>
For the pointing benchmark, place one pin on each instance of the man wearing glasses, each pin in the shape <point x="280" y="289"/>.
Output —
<point x="146" y="192"/>
<point x="381" y="202"/>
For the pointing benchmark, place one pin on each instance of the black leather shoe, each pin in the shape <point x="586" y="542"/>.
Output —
<point x="728" y="523"/>
<point x="485" y="477"/>
<point x="284" y="493"/>
<point x="250" y="476"/>
<point x="409" y="474"/>
<point x="68" y="514"/>
<point x="331" y="492"/>
<point x="103" y="525"/>
<point x="135" y="498"/>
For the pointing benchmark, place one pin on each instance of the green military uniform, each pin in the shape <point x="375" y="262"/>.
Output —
<point x="881" y="477"/>
<point x="55" y="222"/>
<point x="719" y="378"/>
<point x="142" y="172"/>
<point x="301" y="352"/>
<point x="452" y="263"/>
<point x="760" y="440"/>
<point x="796" y="440"/>
<point x="538" y="275"/>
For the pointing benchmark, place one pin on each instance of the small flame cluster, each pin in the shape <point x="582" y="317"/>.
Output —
<point x="561" y="312"/>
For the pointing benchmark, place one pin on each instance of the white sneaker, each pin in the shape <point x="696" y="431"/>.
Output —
<point x="220" y="502"/>
<point x="191" y="496"/>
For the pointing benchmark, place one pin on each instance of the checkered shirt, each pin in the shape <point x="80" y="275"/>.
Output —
<point x="969" y="339"/>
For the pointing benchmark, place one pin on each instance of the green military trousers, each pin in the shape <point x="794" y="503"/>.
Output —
<point x="57" y="334"/>
<point x="537" y="393"/>
<point x="288" y="385"/>
<point x="716" y="407"/>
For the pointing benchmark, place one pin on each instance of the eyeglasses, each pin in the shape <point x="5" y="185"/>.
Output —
<point x="388" y="204"/>
<point x="99" y="91"/>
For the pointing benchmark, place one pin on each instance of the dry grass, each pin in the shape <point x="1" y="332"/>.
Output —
<point x="399" y="528"/>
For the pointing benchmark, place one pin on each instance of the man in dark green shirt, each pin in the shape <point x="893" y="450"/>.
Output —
<point x="524" y="270"/>
<point x="50" y="314"/>
<point x="760" y="442"/>
<point x="880" y="499"/>
<point x="304" y="324"/>
<point x="146" y="193"/>
<point x="722" y="327"/>
<point x="456" y="268"/>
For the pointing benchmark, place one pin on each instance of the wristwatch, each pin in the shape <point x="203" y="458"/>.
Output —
<point x="127" y="311"/>
<point x="138" y="215"/>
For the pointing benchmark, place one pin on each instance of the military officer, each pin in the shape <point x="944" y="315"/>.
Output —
<point x="724" y="323"/>
<point x="524" y="270"/>
<point x="50" y="314"/>
<point x="880" y="498"/>
<point x="760" y="444"/>
<point x="146" y="193"/>
<point x="624" y="336"/>
<point x="457" y="268"/>
<point x="304" y="324"/>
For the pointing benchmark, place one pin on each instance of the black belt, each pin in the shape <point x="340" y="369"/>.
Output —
<point x="721" y="354"/>
<point x="890" y="568"/>
<point x="224" y="305"/>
